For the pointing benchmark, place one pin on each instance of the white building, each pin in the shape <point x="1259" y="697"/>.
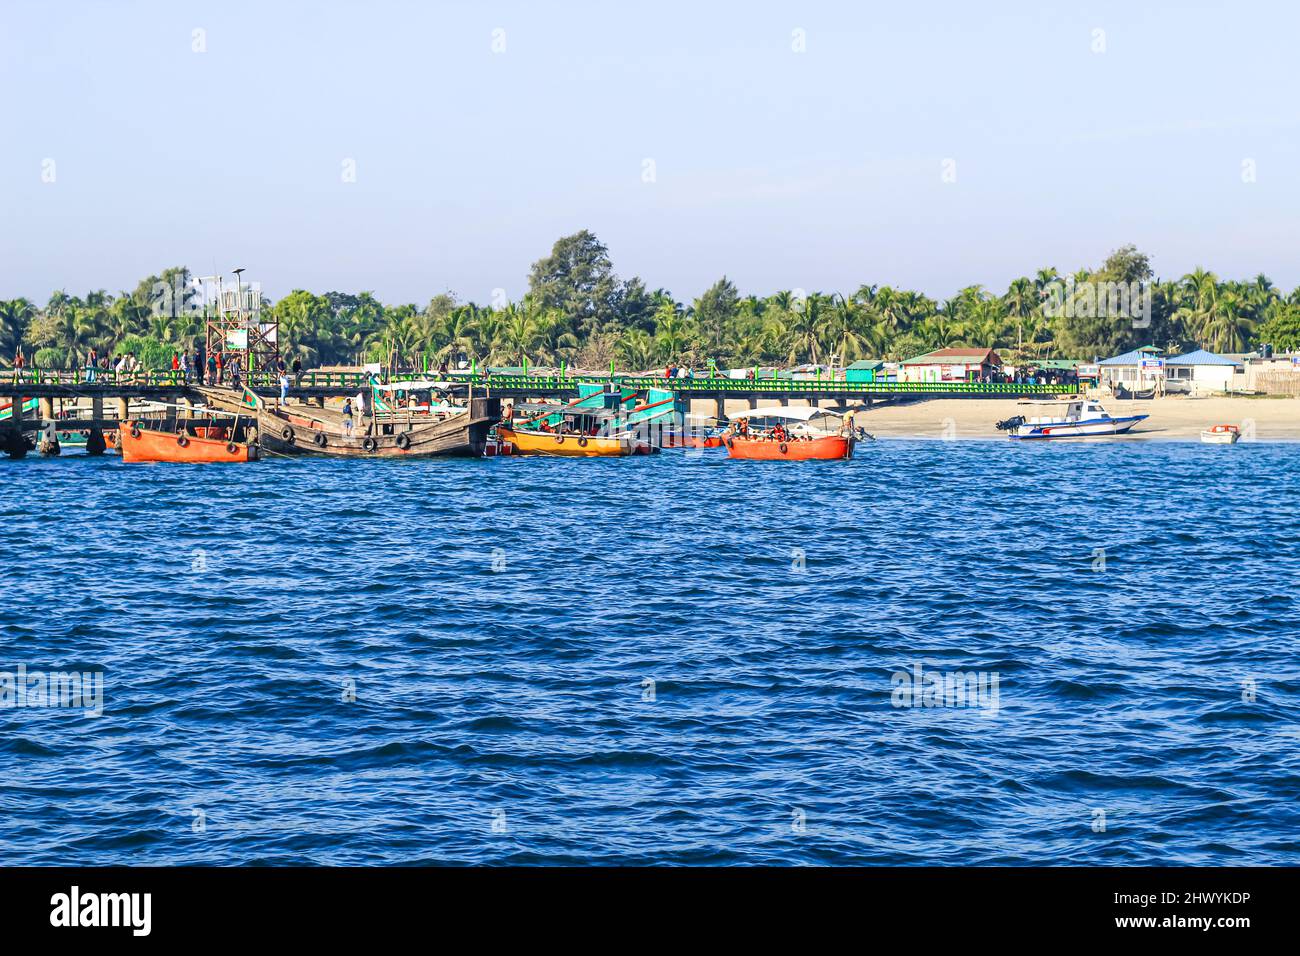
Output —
<point x="1201" y="372"/>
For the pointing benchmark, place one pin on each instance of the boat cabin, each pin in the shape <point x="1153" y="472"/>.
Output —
<point x="1077" y="411"/>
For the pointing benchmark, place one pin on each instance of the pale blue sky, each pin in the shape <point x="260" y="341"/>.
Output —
<point x="814" y="170"/>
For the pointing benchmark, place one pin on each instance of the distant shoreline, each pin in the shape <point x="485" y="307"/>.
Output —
<point x="1173" y="418"/>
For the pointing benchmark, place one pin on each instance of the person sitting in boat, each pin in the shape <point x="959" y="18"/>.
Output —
<point x="779" y="433"/>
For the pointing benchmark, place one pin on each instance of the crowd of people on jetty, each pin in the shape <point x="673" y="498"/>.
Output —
<point x="188" y="366"/>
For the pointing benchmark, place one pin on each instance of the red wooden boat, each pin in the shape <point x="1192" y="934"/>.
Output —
<point x="754" y="436"/>
<point x="827" y="448"/>
<point x="141" y="443"/>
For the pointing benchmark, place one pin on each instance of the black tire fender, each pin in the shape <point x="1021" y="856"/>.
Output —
<point x="403" y="441"/>
<point x="320" y="440"/>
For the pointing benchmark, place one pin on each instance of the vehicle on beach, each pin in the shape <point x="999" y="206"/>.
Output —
<point x="1083" y="418"/>
<point x="1221" y="435"/>
<point x="790" y="434"/>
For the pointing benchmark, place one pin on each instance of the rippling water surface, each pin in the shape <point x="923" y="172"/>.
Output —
<point x="681" y="659"/>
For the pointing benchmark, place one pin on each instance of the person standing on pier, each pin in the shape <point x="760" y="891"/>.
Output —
<point x="92" y="363"/>
<point x="212" y="369"/>
<point x="19" y="361"/>
<point x="297" y="372"/>
<point x="347" y="416"/>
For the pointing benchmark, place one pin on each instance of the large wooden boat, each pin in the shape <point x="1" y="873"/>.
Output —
<point x="303" y="430"/>
<point x="531" y="442"/>
<point x="144" y="440"/>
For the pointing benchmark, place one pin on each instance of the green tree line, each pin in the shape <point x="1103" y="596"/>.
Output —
<point x="579" y="312"/>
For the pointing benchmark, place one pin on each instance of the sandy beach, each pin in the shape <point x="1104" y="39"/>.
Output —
<point x="1173" y="418"/>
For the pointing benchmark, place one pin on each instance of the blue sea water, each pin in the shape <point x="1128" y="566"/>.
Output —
<point x="674" y="660"/>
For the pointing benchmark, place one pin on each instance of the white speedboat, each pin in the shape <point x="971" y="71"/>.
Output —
<point x="1082" y="419"/>
<point x="1221" y="435"/>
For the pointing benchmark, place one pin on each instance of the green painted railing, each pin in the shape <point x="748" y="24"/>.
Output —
<point x="558" y="383"/>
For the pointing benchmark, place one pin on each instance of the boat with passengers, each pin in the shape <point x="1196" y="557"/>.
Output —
<point x="781" y="433"/>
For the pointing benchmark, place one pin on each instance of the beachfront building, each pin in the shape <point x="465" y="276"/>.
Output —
<point x="867" y="370"/>
<point x="1201" y="372"/>
<point x="1137" y="370"/>
<point x="1272" y="374"/>
<point x="951" y="365"/>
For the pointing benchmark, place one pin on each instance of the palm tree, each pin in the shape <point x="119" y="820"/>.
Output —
<point x="806" y="329"/>
<point x="672" y="333"/>
<point x="15" y="316"/>
<point x="1200" y="295"/>
<point x="1020" y="303"/>
<point x="1228" y="328"/>
<point x="846" y="336"/>
<point x="635" y="349"/>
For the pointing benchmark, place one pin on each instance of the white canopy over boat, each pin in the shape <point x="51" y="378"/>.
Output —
<point x="794" y="413"/>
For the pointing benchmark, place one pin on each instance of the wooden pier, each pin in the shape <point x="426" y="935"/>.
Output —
<point x="109" y="395"/>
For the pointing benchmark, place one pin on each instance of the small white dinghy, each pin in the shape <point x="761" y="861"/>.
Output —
<point x="1221" y="435"/>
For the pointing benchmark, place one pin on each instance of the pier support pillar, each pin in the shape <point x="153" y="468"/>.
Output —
<point x="123" y="409"/>
<point x="12" y="440"/>
<point x="47" y="409"/>
<point x="97" y="408"/>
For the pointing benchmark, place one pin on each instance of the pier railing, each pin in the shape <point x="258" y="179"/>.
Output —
<point x="561" y="383"/>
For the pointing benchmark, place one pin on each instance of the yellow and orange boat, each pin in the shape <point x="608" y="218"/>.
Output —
<point x="139" y="442"/>
<point x="529" y="442"/>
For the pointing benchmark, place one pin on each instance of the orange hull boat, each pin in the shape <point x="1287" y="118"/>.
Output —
<point x="683" y="440"/>
<point x="141" y="444"/>
<point x="830" y="448"/>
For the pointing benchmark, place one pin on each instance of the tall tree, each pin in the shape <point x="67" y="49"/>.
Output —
<point x="578" y="279"/>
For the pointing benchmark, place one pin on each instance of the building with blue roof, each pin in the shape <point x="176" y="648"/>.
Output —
<point x="1201" y="371"/>
<point x="1135" y="370"/>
